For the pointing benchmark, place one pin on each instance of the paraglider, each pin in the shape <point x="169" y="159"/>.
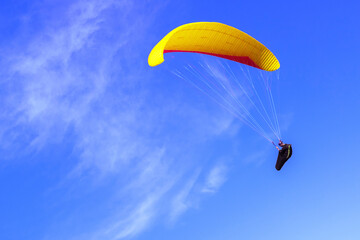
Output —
<point x="284" y="154"/>
<point x="223" y="41"/>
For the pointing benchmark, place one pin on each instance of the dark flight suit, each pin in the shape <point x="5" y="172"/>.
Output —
<point x="284" y="154"/>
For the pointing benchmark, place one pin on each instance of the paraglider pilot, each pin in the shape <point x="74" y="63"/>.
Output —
<point x="284" y="154"/>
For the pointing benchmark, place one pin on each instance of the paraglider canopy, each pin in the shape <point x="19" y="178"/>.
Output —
<point x="215" y="39"/>
<point x="239" y="93"/>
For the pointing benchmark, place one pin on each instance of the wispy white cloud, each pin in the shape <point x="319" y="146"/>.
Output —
<point x="72" y="76"/>
<point x="181" y="201"/>
<point x="216" y="178"/>
<point x="141" y="214"/>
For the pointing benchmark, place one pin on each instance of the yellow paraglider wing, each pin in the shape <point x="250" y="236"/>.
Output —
<point x="215" y="39"/>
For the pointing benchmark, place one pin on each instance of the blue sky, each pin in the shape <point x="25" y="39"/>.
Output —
<point x="95" y="144"/>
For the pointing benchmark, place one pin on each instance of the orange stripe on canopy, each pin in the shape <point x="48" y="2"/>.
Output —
<point x="244" y="60"/>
